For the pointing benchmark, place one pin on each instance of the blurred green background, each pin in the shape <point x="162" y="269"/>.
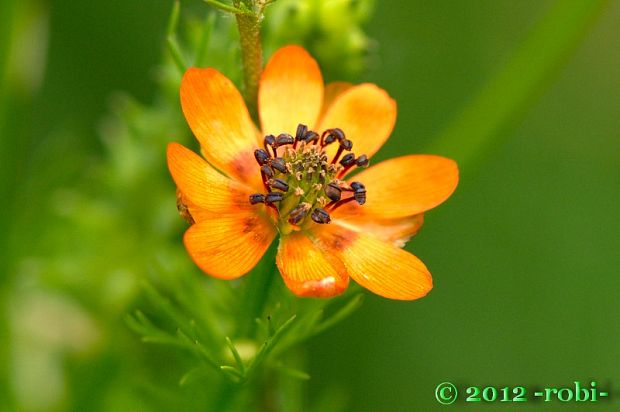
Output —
<point x="524" y="255"/>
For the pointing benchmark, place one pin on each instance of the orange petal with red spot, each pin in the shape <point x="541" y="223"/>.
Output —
<point x="201" y="185"/>
<point x="378" y="266"/>
<point x="216" y="113"/>
<point x="307" y="271"/>
<point x="395" y="231"/>
<point x="290" y="91"/>
<point x="405" y="186"/>
<point x="230" y="245"/>
<point x="366" y="114"/>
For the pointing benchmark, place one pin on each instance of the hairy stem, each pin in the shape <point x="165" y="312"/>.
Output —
<point x="251" y="51"/>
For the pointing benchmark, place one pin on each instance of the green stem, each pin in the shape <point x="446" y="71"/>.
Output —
<point x="257" y="290"/>
<point x="511" y="91"/>
<point x="251" y="51"/>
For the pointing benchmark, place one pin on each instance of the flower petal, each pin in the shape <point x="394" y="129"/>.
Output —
<point x="378" y="266"/>
<point x="290" y="91"/>
<point x="395" y="231"/>
<point x="366" y="114"/>
<point x="218" y="117"/>
<point x="307" y="271"/>
<point x="332" y="91"/>
<point x="202" y="186"/>
<point x="405" y="186"/>
<point x="230" y="245"/>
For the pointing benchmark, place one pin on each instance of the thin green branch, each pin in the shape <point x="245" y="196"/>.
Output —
<point x="173" y="20"/>
<point x="256" y="293"/>
<point x="201" y="52"/>
<point x="177" y="55"/>
<point x="267" y="347"/>
<point x="236" y="355"/>
<point x="171" y="42"/>
<point x="232" y="372"/>
<point x="343" y="313"/>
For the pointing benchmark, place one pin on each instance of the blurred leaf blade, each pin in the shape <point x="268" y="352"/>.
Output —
<point x="510" y="92"/>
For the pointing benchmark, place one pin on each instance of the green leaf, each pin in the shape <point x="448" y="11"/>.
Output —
<point x="268" y="346"/>
<point x="236" y="355"/>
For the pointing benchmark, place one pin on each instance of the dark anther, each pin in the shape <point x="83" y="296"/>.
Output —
<point x="273" y="197"/>
<point x="329" y="136"/>
<point x="301" y="132"/>
<point x="261" y="156"/>
<point x="359" y="192"/>
<point x="362" y="161"/>
<point x="257" y="198"/>
<point x="311" y="137"/>
<point x="266" y="171"/>
<point x="269" y="141"/>
<point x="284" y="139"/>
<point x="346" y="144"/>
<point x="298" y="214"/>
<point x="279" y="184"/>
<point x="320" y="216"/>
<point x="333" y="191"/>
<point x="278" y="164"/>
<point x="348" y="159"/>
<point x="357" y="186"/>
<point x="329" y="139"/>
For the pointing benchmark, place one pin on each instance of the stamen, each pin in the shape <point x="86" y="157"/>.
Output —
<point x="345" y="144"/>
<point x="257" y="198"/>
<point x="334" y="206"/>
<point x="284" y="139"/>
<point x="329" y="136"/>
<point x="299" y="213"/>
<point x="359" y="192"/>
<point x="311" y="137"/>
<point x="269" y="141"/>
<point x="348" y="160"/>
<point x="333" y="192"/>
<point x="303" y="177"/>
<point x="362" y="161"/>
<point x="320" y="216"/>
<point x="299" y="135"/>
<point x="261" y="156"/>
<point x="273" y="197"/>
<point x="266" y="171"/>
<point x="279" y="164"/>
<point x="279" y="184"/>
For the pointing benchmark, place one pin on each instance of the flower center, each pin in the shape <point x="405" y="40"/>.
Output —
<point x="302" y="184"/>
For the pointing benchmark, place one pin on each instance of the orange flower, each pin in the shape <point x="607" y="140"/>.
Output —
<point x="291" y="179"/>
